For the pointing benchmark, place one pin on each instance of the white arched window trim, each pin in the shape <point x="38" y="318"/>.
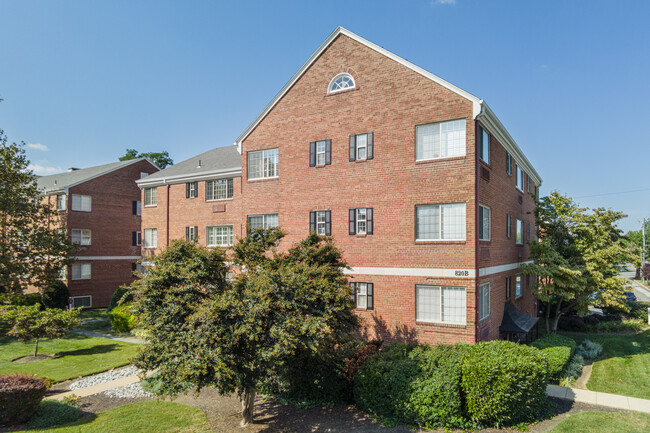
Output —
<point x="336" y="77"/>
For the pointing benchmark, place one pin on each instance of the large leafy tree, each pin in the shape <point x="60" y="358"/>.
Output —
<point x="161" y="159"/>
<point x="207" y="331"/>
<point x="575" y="257"/>
<point x="33" y="248"/>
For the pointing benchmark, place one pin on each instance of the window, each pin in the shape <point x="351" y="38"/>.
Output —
<point x="63" y="273"/>
<point x="263" y="221"/>
<point x="484" y="301"/>
<point x="519" y="239"/>
<point x="527" y="183"/>
<point x="143" y="175"/>
<point x="82" y="203"/>
<point x="136" y="207"/>
<point x="150" y="238"/>
<point x="528" y="232"/>
<point x="151" y="196"/>
<point x="520" y="178"/>
<point x="220" y="189"/>
<point x="440" y="304"/>
<point x="484" y="145"/>
<point x="508" y="225"/>
<point x="362" y="146"/>
<point x="508" y="287"/>
<point x="81" y="237"/>
<point x="508" y="163"/>
<point x="440" y="222"/>
<point x="341" y="82"/>
<point x="81" y="271"/>
<point x="263" y="164"/>
<point x="320" y="221"/>
<point x="136" y="239"/>
<point x="81" y="301"/>
<point x="192" y="234"/>
<point x="361" y="221"/>
<point x="320" y="153"/>
<point x="219" y="236"/>
<point x="440" y="140"/>
<point x="191" y="189"/>
<point x="518" y="286"/>
<point x="483" y="223"/>
<point x="362" y="294"/>
<point x="61" y="201"/>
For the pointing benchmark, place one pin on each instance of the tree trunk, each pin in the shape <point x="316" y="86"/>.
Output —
<point x="548" y="316"/>
<point x="247" y="402"/>
<point x="36" y="349"/>
<point x="558" y="313"/>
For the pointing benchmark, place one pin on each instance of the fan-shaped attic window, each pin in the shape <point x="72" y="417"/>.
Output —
<point x="341" y="82"/>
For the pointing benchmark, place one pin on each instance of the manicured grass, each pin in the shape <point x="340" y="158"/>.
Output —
<point x="78" y="356"/>
<point x="95" y="313"/>
<point x="143" y="417"/>
<point x="604" y="422"/>
<point x="103" y="326"/>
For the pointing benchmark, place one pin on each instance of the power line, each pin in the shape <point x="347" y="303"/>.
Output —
<point x="613" y="193"/>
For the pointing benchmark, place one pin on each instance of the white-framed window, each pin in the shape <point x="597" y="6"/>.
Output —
<point x="321" y="147"/>
<point x="363" y="295"/>
<point x="81" y="271"/>
<point x="150" y="238"/>
<point x="63" y="273"/>
<point x="138" y="208"/>
<point x="440" y="140"/>
<point x="219" y="236"/>
<point x="508" y="163"/>
<point x="362" y="226"/>
<point x="151" y="196"/>
<point x="61" y="202"/>
<point x="440" y="304"/>
<point x="219" y="189"/>
<point x="82" y="301"/>
<point x="484" y="145"/>
<point x="263" y="221"/>
<point x="484" y="301"/>
<point x="263" y="164"/>
<point x="484" y="220"/>
<point x="440" y="222"/>
<point x="320" y="222"/>
<point x="191" y="189"/>
<point x="527" y="184"/>
<point x="81" y="236"/>
<point x="362" y="146"/>
<point x="519" y="238"/>
<point x="83" y="203"/>
<point x="143" y="175"/>
<point x="192" y="233"/>
<point x="137" y="239"/>
<point x="520" y="178"/>
<point x="508" y="225"/>
<point x="341" y="82"/>
<point x="518" y="286"/>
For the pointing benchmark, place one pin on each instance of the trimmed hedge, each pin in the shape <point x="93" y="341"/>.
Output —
<point x="558" y="350"/>
<point x="504" y="383"/>
<point x="121" y="294"/>
<point x="56" y="295"/>
<point x="122" y="318"/>
<point x="20" y="395"/>
<point x="53" y="413"/>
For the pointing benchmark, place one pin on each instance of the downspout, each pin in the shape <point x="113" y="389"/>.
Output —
<point x="167" y="219"/>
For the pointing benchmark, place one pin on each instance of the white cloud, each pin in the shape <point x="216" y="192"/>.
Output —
<point x="37" y="146"/>
<point x="443" y="2"/>
<point x="43" y="170"/>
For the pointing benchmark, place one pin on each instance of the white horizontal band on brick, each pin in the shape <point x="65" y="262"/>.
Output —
<point x="483" y="272"/>
<point x="109" y="257"/>
<point x="413" y="272"/>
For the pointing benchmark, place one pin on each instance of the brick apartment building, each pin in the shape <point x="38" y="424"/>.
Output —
<point x="417" y="181"/>
<point x="101" y="210"/>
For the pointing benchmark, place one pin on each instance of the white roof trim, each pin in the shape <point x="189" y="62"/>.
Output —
<point x="180" y="178"/>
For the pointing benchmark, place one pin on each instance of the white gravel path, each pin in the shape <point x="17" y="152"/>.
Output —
<point x="108" y="376"/>
<point x="130" y="391"/>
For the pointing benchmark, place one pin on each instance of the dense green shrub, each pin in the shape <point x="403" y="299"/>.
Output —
<point x="20" y="395"/>
<point x="154" y="384"/>
<point x="26" y="300"/>
<point x="639" y="310"/>
<point x="51" y="412"/>
<point x="558" y="350"/>
<point x="589" y="349"/>
<point x="628" y="325"/>
<point x="121" y="294"/>
<point x="122" y="318"/>
<point x="353" y="364"/>
<point x="504" y="383"/>
<point x="56" y="295"/>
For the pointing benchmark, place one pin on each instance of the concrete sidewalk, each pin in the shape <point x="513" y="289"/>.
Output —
<point x="599" y="398"/>
<point x="110" y="337"/>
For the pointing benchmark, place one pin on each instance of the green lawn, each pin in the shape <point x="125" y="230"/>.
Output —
<point x="604" y="422"/>
<point x="103" y="327"/>
<point x="143" y="417"/>
<point x="95" y="313"/>
<point x="78" y="356"/>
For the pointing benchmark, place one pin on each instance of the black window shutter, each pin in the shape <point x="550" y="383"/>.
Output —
<point x="229" y="193"/>
<point x="353" y="147"/>
<point x="353" y="221"/>
<point x="480" y="222"/>
<point x="196" y="233"/>
<point x="328" y="223"/>
<point x="187" y="233"/>
<point x="134" y="207"/>
<point x="371" y="145"/>
<point x="369" y="221"/>
<point x="328" y="152"/>
<point x="312" y="221"/>
<point x="187" y="190"/>
<point x="134" y="266"/>
<point x="134" y="238"/>
<point x="370" y="296"/>
<point x="312" y="154"/>
<point x="353" y="292"/>
<point x="196" y="189"/>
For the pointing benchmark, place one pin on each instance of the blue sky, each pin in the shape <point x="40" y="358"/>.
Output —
<point x="84" y="80"/>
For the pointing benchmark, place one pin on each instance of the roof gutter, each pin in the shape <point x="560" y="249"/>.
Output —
<point x="180" y="178"/>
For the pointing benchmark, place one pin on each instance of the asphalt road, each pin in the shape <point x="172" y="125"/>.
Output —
<point x="642" y="294"/>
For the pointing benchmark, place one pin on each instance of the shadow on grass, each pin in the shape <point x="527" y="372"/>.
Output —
<point x="100" y="348"/>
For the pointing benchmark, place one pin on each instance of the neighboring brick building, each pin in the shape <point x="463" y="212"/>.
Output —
<point x="398" y="166"/>
<point x="100" y="206"/>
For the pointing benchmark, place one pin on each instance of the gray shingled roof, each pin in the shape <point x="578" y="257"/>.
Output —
<point x="57" y="182"/>
<point x="213" y="162"/>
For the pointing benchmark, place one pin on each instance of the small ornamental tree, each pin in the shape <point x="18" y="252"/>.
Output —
<point x="29" y="323"/>
<point x="208" y="332"/>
